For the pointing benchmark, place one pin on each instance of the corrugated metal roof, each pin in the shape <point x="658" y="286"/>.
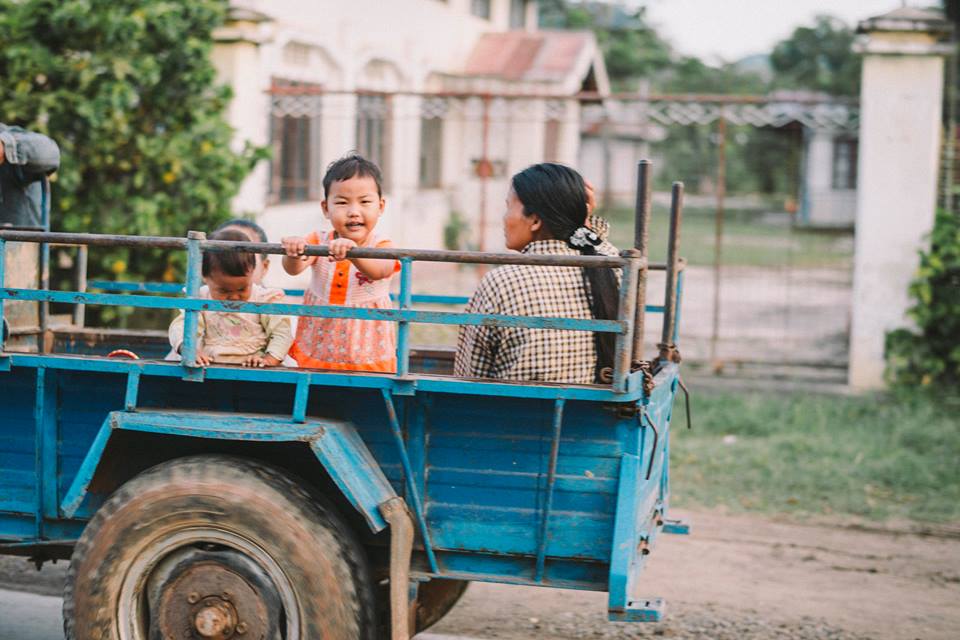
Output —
<point x="521" y="55"/>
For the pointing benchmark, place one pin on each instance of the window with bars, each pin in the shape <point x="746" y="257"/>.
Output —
<point x="845" y="163"/>
<point x="295" y="140"/>
<point x="518" y="14"/>
<point x="372" y="127"/>
<point x="431" y="152"/>
<point x="480" y="8"/>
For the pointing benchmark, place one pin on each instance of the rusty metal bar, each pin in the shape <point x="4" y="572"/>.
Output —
<point x="584" y="96"/>
<point x="629" y="289"/>
<point x="641" y="241"/>
<point x="718" y="236"/>
<point x="667" y="347"/>
<point x="422" y="255"/>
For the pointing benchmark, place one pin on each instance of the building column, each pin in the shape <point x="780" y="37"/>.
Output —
<point x="237" y="58"/>
<point x="900" y="128"/>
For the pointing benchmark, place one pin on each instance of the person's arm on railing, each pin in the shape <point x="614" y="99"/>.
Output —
<point x="33" y="154"/>
<point x="294" y="262"/>
<point x="175" y="333"/>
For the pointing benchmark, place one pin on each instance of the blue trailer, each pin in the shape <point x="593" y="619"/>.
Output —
<point x="286" y="503"/>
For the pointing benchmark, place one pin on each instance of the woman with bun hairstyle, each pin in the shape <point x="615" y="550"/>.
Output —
<point x="547" y="210"/>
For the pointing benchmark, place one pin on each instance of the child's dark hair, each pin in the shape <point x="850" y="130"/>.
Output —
<point x="229" y="263"/>
<point x="249" y="225"/>
<point x="351" y="166"/>
<point x="558" y="195"/>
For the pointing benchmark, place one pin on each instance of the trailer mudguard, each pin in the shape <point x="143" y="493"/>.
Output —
<point x="337" y="446"/>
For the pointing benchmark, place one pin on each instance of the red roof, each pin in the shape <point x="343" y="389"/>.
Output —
<point x="523" y="55"/>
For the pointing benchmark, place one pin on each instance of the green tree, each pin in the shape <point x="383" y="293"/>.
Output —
<point x="632" y="50"/>
<point x="818" y="57"/>
<point x="127" y="89"/>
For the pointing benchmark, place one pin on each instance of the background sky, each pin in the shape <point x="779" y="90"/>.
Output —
<point x="732" y="29"/>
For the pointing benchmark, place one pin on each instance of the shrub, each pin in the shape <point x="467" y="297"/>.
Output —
<point x="930" y="354"/>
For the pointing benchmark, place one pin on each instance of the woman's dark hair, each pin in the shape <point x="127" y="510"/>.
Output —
<point x="229" y="263"/>
<point x="351" y="166"/>
<point x="558" y="195"/>
<point x="249" y="225"/>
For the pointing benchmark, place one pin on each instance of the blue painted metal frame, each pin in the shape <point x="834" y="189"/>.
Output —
<point x="640" y="502"/>
<point x="336" y="445"/>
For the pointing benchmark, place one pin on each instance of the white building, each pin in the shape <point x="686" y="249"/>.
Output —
<point x="418" y="86"/>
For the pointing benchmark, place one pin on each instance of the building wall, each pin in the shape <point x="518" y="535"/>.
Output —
<point x="401" y="45"/>
<point x="823" y="204"/>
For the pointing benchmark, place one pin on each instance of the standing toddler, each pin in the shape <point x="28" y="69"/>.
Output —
<point x="353" y="203"/>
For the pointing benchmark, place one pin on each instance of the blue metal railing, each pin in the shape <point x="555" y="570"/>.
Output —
<point x="196" y="244"/>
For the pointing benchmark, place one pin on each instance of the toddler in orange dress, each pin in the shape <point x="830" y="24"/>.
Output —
<point x="353" y="203"/>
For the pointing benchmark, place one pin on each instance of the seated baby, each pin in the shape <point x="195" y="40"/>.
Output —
<point x="248" y="339"/>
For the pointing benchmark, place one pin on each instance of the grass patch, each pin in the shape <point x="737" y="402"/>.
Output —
<point x="751" y="238"/>
<point x="877" y="457"/>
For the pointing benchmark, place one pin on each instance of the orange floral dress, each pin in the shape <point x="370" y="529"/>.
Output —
<point x="346" y="343"/>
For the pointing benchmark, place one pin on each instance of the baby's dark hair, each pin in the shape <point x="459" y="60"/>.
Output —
<point x="249" y="225"/>
<point x="229" y="263"/>
<point x="351" y="166"/>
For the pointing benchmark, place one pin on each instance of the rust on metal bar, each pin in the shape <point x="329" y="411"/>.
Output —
<point x="641" y="239"/>
<point x="667" y="348"/>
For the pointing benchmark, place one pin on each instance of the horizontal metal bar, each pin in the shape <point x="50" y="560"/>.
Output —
<point x="176" y="287"/>
<point x="423" y="255"/>
<point x="91" y="239"/>
<point x="583" y="96"/>
<point x="140" y="287"/>
<point x="357" y="313"/>
<point x="440" y="384"/>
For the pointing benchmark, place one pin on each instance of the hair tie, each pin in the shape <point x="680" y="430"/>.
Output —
<point x="583" y="237"/>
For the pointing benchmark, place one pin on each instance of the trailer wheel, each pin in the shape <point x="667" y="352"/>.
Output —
<point x="217" y="547"/>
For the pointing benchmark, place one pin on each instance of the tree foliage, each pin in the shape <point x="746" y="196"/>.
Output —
<point x="127" y="89"/>
<point x="819" y="58"/>
<point x="930" y="354"/>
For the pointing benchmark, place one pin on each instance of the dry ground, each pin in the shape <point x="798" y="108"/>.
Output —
<point x="740" y="576"/>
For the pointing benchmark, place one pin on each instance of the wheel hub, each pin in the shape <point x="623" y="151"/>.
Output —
<point x="214" y="596"/>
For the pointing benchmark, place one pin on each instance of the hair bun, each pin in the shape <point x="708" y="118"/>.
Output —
<point x="582" y="237"/>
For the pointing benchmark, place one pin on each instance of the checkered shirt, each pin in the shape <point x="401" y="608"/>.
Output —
<point x="520" y="353"/>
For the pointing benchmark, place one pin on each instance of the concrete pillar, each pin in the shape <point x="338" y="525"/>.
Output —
<point x="237" y="58"/>
<point x="900" y="124"/>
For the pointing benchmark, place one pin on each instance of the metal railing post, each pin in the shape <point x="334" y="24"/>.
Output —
<point x="3" y="326"/>
<point x="403" y="330"/>
<point x="629" y="294"/>
<point x="667" y="346"/>
<point x="80" y="309"/>
<point x="188" y="351"/>
<point x="641" y="241"/>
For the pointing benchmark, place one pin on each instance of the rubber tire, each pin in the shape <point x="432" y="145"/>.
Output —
<point x="326" y="567"/>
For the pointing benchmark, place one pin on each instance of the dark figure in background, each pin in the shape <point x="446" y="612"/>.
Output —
<point x="26" y="158"/>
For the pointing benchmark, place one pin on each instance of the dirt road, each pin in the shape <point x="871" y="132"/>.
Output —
<point x="751" y="577"/>
<point x="735" y="577"/>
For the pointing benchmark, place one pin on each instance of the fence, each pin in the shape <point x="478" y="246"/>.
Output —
<point x="770" y="179"/>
